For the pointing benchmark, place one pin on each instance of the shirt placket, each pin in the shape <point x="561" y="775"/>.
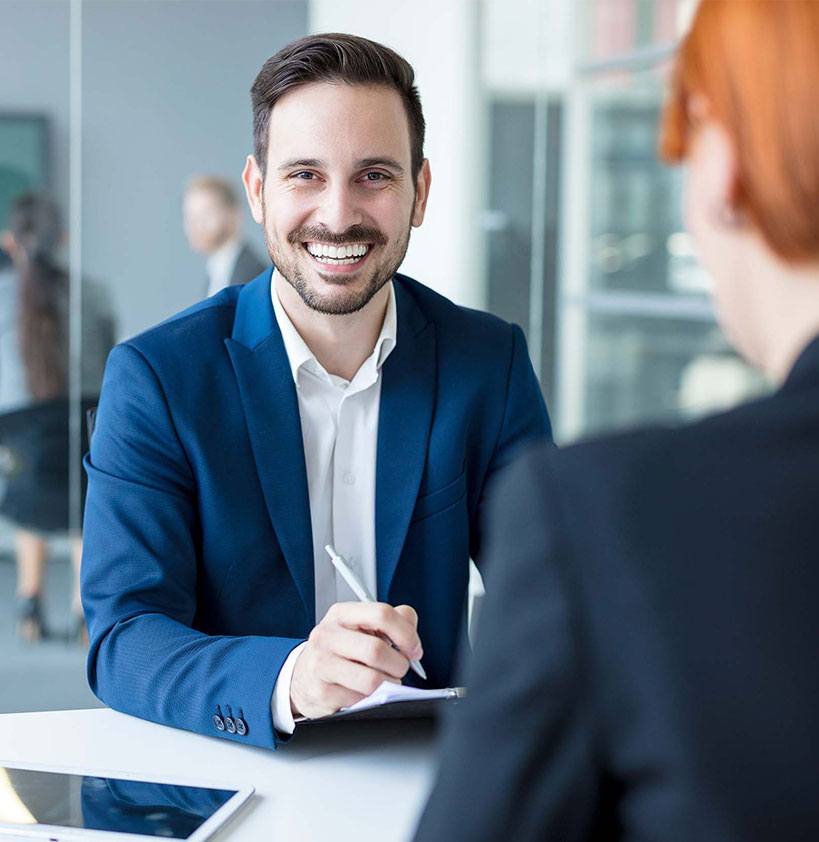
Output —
<point x="345" y="514"/>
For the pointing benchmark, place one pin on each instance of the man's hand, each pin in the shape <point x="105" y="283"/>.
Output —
<point x="345" y="660"/>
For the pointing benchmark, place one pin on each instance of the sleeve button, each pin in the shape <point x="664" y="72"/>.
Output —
<point x="218" y="722"/>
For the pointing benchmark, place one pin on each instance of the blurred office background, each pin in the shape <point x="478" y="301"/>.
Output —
<point x="548" y="206"/>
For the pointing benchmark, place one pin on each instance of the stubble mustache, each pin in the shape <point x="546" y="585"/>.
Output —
<point x="354" y="234"/>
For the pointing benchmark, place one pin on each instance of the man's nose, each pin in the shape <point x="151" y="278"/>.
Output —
<point x="338" y="209"/>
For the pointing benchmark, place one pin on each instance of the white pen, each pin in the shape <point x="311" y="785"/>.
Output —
<point x="363" y="594"/>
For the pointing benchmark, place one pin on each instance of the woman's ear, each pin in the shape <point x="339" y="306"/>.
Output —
<point x="714" y="173"/>
<point x="725" y="174"/>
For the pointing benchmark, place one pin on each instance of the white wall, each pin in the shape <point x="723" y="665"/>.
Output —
<point x="528" y="45"/>
<point x="440" y="39"/>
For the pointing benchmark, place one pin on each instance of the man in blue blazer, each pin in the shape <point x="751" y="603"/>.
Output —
<point x="329" y="401"/>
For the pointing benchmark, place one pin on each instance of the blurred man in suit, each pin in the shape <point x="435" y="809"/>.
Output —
<point x="647" y="667"/>
<point x="213" y="225"/>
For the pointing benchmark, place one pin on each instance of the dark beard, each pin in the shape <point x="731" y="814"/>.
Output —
<point x="353" y="302"/>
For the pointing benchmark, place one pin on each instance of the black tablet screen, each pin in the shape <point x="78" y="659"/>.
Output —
<point x="80" y="801"/>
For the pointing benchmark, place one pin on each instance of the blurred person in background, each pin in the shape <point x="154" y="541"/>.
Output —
<point x="213" y="225"/>
<point x="34" y="409"/>
<point x="659" y="589"/>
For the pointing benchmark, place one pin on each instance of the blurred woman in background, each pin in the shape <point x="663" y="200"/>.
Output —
<point x="34" y="425"/>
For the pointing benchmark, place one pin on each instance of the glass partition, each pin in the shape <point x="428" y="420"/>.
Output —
<point x="38" y="546"/>
<point x="106" y="112"/>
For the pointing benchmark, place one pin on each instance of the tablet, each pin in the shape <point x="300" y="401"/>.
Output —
<point x="66" y="805"/>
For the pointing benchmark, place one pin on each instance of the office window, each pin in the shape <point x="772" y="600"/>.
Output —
<point x="638" y="341"/>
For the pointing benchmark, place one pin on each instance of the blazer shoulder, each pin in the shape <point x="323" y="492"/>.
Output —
<point x="642" y="462"/>
<point x="191" y="331"/>
<point x="453" y="319"/>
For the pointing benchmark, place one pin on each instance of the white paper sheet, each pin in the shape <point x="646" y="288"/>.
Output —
<point x="389" y="692"/>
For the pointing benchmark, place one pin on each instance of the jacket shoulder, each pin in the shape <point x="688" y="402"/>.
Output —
<point x="642" y="463"/>
<point x="453" y="318"/>
<point x="193" y="330"/>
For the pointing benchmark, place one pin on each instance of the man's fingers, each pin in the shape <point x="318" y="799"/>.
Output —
<point x="367" y="649"/>
<point x="352" y="676"/>
<point x="409" y="613"/>
<point x="381" y="618"/>
<point x="336" y="697"/>
<point x="349" y="655"/>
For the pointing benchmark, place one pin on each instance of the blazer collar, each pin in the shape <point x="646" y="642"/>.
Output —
<point x="271" y="409"/>
<point x="254" y="320"/>
<point x="409" y="378"/>
<point x="805" y="371"/>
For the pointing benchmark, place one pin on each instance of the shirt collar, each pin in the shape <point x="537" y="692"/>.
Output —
<point x="298" y="353"/>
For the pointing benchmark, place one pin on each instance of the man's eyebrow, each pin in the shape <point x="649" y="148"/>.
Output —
<point x="299" y="162"/>
<point x="389" y="163"/>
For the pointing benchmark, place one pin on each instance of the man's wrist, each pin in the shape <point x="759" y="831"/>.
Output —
<point x="280" y="703"/>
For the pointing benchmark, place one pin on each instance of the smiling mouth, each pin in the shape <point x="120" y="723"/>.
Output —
<point x="350" y="254"/>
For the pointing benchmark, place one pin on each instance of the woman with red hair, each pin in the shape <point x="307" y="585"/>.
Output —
<point x="647" y="664"/>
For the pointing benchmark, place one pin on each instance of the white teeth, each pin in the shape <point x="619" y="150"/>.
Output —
<point x="338" y="255"/>
<point x="334" y="261"/>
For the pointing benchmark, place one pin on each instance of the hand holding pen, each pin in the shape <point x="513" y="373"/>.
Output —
<point x="358" y="588"/>
<point x="355" y="647"/>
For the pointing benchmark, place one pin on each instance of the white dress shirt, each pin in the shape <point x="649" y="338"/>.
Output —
<point x="339" y="425"/>
<point x="220" y="265"/>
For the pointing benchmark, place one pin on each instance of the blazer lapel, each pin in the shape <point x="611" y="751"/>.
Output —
<point x="405" y="415"/>
<point x="271" y="409"/>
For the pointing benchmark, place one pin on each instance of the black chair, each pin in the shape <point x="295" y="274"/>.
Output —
<point x="36" y="450"/>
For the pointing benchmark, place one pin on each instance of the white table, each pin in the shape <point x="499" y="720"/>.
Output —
<point x="349" y="781"/>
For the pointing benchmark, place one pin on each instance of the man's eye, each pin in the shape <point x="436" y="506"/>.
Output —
<point x="304" y="175"/>
<point x="376" y="176"/>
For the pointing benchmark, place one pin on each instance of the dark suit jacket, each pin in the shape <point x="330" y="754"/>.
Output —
<point x="247" y="266"/>
<point x="647" y="665"/>
<point x="197" y="572"/>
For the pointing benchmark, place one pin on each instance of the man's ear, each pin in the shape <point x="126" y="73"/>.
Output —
<point x="254" y="187"/>
<point x="422" y="184"/>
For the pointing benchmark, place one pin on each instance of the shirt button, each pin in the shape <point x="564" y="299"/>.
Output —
<point x="348" y="478"/>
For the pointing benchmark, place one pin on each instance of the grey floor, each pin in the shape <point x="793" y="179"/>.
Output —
<point x="49" y="675"/>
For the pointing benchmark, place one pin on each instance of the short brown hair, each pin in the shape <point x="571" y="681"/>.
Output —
<point x="218" y="186"/>
<point x="757" y="64"/>
<point x="335" y="57"/>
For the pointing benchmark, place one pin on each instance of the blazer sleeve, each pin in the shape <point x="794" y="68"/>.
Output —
<point x="516" y="754"/>
<point x="139" y="575"/>
<point x="525" y="420"/>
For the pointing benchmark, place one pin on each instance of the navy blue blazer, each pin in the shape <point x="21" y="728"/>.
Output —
<point x="659" y="589"/>
<point x="197" y="574"/>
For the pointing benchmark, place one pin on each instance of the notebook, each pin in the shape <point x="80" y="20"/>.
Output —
<point x="394" y="701"/>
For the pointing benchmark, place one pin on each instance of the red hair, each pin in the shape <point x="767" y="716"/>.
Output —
<point x="756" y="62"/>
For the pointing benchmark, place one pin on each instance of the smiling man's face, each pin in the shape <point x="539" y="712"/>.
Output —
<point x="339" y="199"/>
